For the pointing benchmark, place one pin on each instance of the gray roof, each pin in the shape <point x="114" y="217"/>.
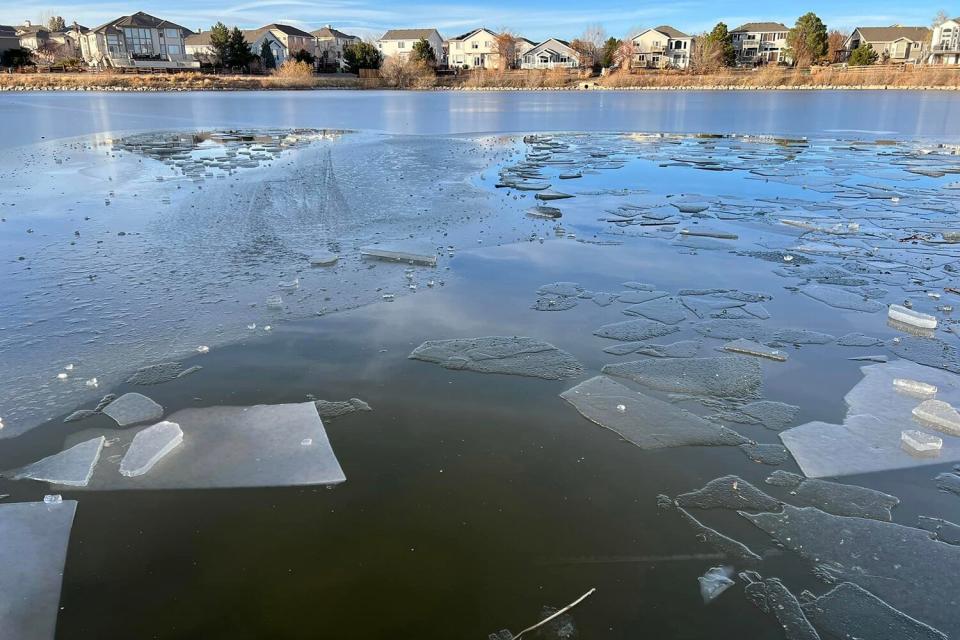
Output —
<point x="330" y="32"/>
<point x="466" y="35"/>
<point x="250" y="35"/>
<point x="408" y="34"/>
<point x="284" y="28"/>
<point x="141" y="20"/>
<point x="670" y="31"/>
<point x="889" y="34"/>
<point x="761" y="27"/>
<point x="6" y="31"/>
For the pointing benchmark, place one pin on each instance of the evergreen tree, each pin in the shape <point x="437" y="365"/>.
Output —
<point x="609" y="51"/>
<point x="238" y="50"/>
<point x="362" y="55"/>
<point x="808" y="40"/>
<point x="863" y="55"/>
<point x="266" y="56"/>
<point x="723" y="41"/>
<point x="220" y="43"/>
<point x="423" y="52"/>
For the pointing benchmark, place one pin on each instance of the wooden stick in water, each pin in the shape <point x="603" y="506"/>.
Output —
<point x="557" y="614"/>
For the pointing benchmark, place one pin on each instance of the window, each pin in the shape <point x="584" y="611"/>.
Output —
<point x="171" y="33"/>
<point x="139" y="41"/>
<point x="114" y="46"/>
<point x="401" y="44"/>
<point x="459" y="45"/>
<point x="174" y="49"/>
<point x="474" y="45"/>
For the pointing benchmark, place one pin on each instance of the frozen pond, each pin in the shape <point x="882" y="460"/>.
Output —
<point x="460" y="358"/>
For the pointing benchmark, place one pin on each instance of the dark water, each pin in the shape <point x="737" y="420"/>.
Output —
<point x="471" y="500"/>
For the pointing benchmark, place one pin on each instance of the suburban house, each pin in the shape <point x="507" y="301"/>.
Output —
<point x="48" y="44"/>
<point x="8" y="38"/>
<point x="895" y="44"/>
<point x="475" y="49"/>
<point x="330" y="45"/>
<point x="399" y="42"/>
<point x="759" y="43"/>
<point x="550" y="54"/>
<point x="945" y="46"/>
<point x="662" y="47"/>
<point x="138" y="40"/>
<point x="283" y="40"/>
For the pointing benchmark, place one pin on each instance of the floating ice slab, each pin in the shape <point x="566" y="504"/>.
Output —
<point x="34" y="550"/>
<point x="133" y="408"/>
<point x="834" y="497"/>
<point x="841" y="298"/>
<point x="323" y="259"/>
<point x="551" y="194"/>
<point x="635" y="330"/>
<point x="667" y="310"/>
<point x="414" y="252"/>
<point x="751" y="348"/>
<point x="725" y="376"/>
<point x="329" y="409"/>
<point x="772" y="596"/>
<point x="233" y="447"/>
<point x="734" y="550"/>
<point x="938" y="414"/>
<point x="943" y="530"/>
<point x="159" y="373"/>
<point x="772" y="454"/>
<point x="647" y="422"/>
<point x="501" y="354"/>
<point x="149" y="446"/>
<point x="898" y="313"/>
<point x="914" y="388"/>
<point x="869" y="438"/>
<point x="714" y="582"/>
<point x="72" y="467"/>
<point x="729" y="492"/>
<point x="769" y="413"/>
<point x="920" y="443"/>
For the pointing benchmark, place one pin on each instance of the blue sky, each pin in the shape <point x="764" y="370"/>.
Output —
<point x="535" y="19"/>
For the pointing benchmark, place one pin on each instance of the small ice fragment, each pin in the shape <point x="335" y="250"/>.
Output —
<point x="902" y="314"/>
<point x="54" y="498"/>
<point x="267" y="328"/>
<point x="403" y="252"/>
<point x="306" y="442"/>
<point x="92" y="383"/>
<point x="788" y="258"/>
<point x="61" y="376"/>
<point x="622" y="408"/>
<point x="388" y="297"/>
<point x="751" y="348"/>
<point x="714" y="582"/>
<point x="149" y="447"/>
<point x="131" y="408"/>
<point x="914" y="387"/>
<point x="69" y="367"/>
<point x="290" y="286"/>
<point x="323" y="259"/>
<point x="938" y="414"/>
<point x="920" y="443"/>
<point x="274" y="302"/>
<point x="72" y="467"/>
<point x="203" y="349"/>
<point x="252" y="326"/>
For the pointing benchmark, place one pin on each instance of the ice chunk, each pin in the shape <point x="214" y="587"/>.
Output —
<point x="942" y="529"/>
<point x="772" y="596"/>
<point x="568" y="289"/>
<point x="714" y="582"/>
<point x="899" y="313"/>
<point x="730" y="548"/>
<point x="551" y="194"/>
<point x="501" y="354"/>
<point x="668" y="310"/>
<point x="927" y="351"/>
<point x="729" y="492"/>
<point x="133" y="408"/>
<point x="323" y="259"/>
<point x="647" y="422"/>
<point x="725" y="329"/>
<point x="858" y="340"/>
<point x="948" y="482"/>
<point x="414" y="252"/>
<point x="541" y="211"/>
<point x="680" y="349"/>
<point x="35" y="537"/>
<point x="772" y="415"/>
<point x="554" y="303"/>
<point x="334" y="409"/>
<point x="639" y="296"/>
<point x="914" y="387"/>
<point x="72" y="467"/>
<point x="920" y="443"/>
<point x="938" y="414"/>
<point x="149" y="446"/>
<point x="772" y="454"/>
<point x="635" y="330"/>
<point x="725" y="376"/>
<point x="848" y="611"/>
<point x="752" y="348"/>
<point x="159" y="373"/>
<point x="836" y="498"/>
<point x="841" y="298"/>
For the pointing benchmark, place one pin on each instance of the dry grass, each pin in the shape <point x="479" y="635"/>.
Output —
<point x="113" y="81"/>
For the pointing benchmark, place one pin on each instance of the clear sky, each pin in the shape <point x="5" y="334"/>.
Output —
<point x="535" y="19"/>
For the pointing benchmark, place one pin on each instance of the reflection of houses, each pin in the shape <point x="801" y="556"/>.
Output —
<point x="550" y="54"/>
<point x="283" y="40"/>
<point x="661" y="47"/>
<point x="399" y="42"/>
<point x="945" y="47"/>
<point x="476" y="49"/>
<point x="330" y="45"/>
<point x="760" y="43"/>
<point x="138" y="40"/>
<point x="896" y="44"/>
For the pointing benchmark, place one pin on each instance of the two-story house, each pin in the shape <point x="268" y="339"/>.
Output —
<point x="49" y="45"/>
<point x="945" y="46"/>
<point x="138" y="40"/>
<point x="284" y="41"/>
<point x="662" y="47"/>
<point x="550" y="54"/>
<point x="895" y="44"/>
<point x="330" y="45"/>
<point x="758" y="43"/>
<point x="399" y="42"/>
<point x="475" y="49"/>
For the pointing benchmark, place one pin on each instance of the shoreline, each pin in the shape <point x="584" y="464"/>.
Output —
<point x="670" y="88"/>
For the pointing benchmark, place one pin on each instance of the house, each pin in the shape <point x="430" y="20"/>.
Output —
<point x="8" y="38"/>
<point x="894" y="44"/>
<point x="662" y="47"/>
<point x="945" y="45"/>
<point x="283" y="40"/>
<point x="137" y="40"/>
<point x="50" y="45"/>
<point x="399" y="42"/>
<point x="330" y="45"/>
<point x="757" y="43"/>
<point x="475" y="49"/>
<point x="550" y="54"/>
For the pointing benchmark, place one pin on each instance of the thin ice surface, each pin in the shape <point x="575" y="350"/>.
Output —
<point x="231" y="447"/>
<point x="869" y="438"/>
<point x="635" y="330"/>
<point x="133" y="408"/>
<point x="329" y="409"/>
<point x="772" y="596"/>
<point x="160" y="373"/>
<point x="732" y="549"/>
<point x="772" y="454"/>
<point x="647" y="422"/>
<point x="723" y="376"/>
<point x="836" y="498"/>
<point x="841" y="298"/>
<point x="943" y="530"/>
<point x="149" y="446"/>
<point x="501" y="354"/>
<point x="72" y="467"/>
<point x="729" y="492"/>
<point x="33" y="554"/>
<point x="902" y="565"/>
<point x="769" y="413"/>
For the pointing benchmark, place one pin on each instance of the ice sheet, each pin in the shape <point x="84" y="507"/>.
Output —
<point x="729" y="492"/>
<point x="833" y="497"/>
<point x="725" y="376"/>
<point x="72" y="467"/>
<point x="501" y="354"/>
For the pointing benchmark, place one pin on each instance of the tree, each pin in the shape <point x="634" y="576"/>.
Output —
<point x="220" y="43"/>
<point x="940" y="18"/>
<point x="267" y="58"/>
<point x="423" y="52"/>
<point x="56" y="23"/>
<point x="835" y="42"/>
<point x="585" y="51"/>
<point x="608" y="52"/>
<point x="238" y="50"/>
<point x="17" y="58"/>
<point x="362" y="55"/>
<point x="304" y="56"/>
<point x="407" y="72"/>
<point x="506" y="43"/>
<point x="705" y="55"/>
<point x="722" y="45"/>
<point x="863" y="55"/>
<point x="623" y="56"/>
<point x="807" y="41"/>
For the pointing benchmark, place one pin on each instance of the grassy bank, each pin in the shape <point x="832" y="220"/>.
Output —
<point x="167" y="82"/>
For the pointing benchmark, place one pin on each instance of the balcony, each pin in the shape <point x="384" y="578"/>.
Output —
<point x="946" y="48"/>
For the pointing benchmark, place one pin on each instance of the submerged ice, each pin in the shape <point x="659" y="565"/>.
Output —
<point x="501" y="354"/>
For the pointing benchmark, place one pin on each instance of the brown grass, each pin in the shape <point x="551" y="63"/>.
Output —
<point x="113" y="81"/>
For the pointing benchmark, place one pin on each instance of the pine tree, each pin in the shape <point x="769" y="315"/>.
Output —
<point x="423" y="52"/>
<point x="808" y="40"/>
<point x="220" y="43"/>
<point x="720" y="37"/>
<point x="266" y="56"/>
<point x="238" y="49"/>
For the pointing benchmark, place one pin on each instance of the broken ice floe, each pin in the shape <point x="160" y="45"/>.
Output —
<point x="771" y="414"/>
<point x="751" y="348"/>
<point x="772" y="454"/>
<point x="841" y="298"/>
<point x="733" y="550"/>
<point x="635" y="330"/>
<point x="72" y="467"/>
<point x="899" y="313"/>
<point x="667" y="310"/>
<point x="329" y="409"/>
<point x="35" y="537"/>
<point x="159" y="373"/>
<point x="919" y="443"/>
<point x="724" y="376"/>
<point x="149" y="446"/>
<point x="501" y="354"/>
<point x="642" y="420"/>
<point x="834" y="497"/>
<point x="729" y="492"/>
<point x="941" y="529"/>
<point x="772" y="596"/>
<point x="714" y="582"/>
<point x="323" y="259"/>
<point x="411" y="252"/>
<point x="679" y="349"/>
<point x="133" y="408"/>
<point x="939" y="415"/>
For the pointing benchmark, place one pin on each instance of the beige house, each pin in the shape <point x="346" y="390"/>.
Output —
<point x="894" y="45"/>
<point x="399" y="42"/>
<point x="51" y="45"/>
<point x="330" y="45"/>
<point x="759" y="43"/>
<point x="138" y="40"/>
<point x="476" y="49"/>
<point x="550" y="54"/>
<point x="662" y="47"/>
<point x="945" y="46"/>
<point x="284" y="42"/>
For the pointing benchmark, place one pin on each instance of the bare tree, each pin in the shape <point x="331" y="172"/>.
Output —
<point x="706" y="55"/>
<point x="835" y="42"/>
<point x="623" y="57"/>
<point x="940" y="18"/>
<point x="506" y="43"/>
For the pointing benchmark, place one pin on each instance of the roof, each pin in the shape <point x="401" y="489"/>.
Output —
<point x="472" y="33"/>
<point x="141" y="20"/>
<point x="889" y="34"/>
<point x="557" y="40"/>
<point x="330" y="32"/>
<point x="6" y="31"/>
<point x="33" y="28"/>
<point x="761" y="26"/>
<point x="203" y="38"/>
<point x="285" y="29"/>
<point x="408" y="34"/>
<point x="670" y="31"/>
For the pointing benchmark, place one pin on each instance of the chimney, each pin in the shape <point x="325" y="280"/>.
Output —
<point x="27" y="24"/>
